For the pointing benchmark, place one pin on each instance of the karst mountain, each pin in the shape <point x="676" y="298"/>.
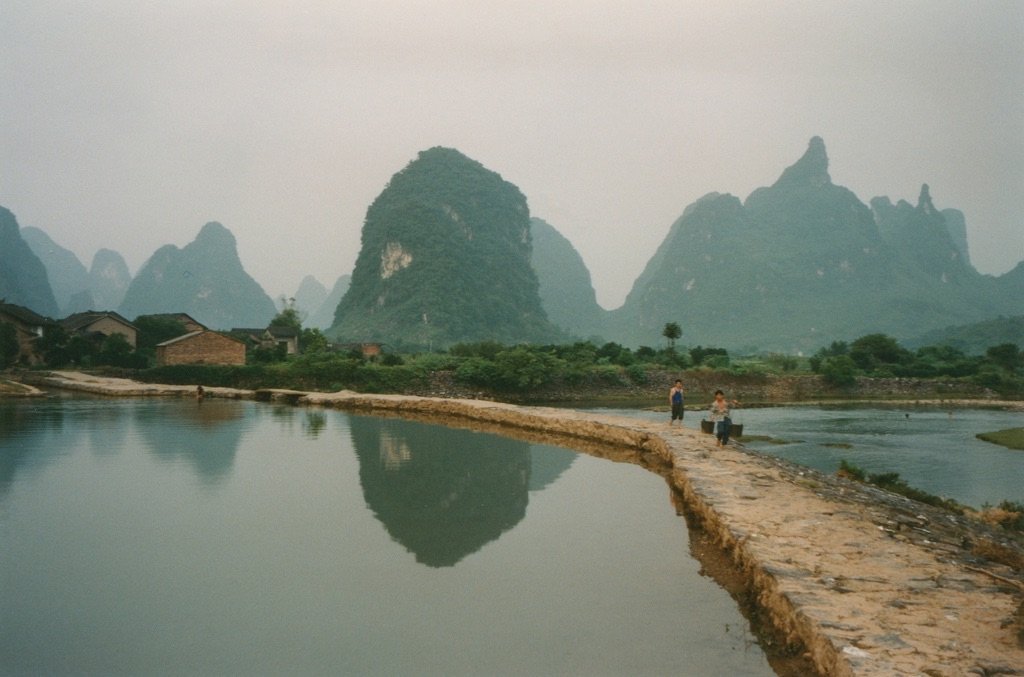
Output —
<point x="804" y="262"/>
<point x="449" y="253"/>
<point x="445" y="258"/>
<point x="204" y="279"/>
<point x="23" y="278"/>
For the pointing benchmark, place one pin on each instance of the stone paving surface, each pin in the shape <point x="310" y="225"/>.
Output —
<point x="865" y="582"/>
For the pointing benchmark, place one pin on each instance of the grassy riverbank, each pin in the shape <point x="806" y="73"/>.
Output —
<point x="1011" y="438"/>
<point x="529" y="382"/>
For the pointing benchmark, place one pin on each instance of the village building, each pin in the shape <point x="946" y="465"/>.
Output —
<point x="29" y="327"/>
<point x="270" y="338"/>
<point x="190" y="323"/>
<point x="201" y="347"/>
<point x="100" y="323"/>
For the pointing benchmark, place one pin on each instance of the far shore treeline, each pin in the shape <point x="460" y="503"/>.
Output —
<point x="580" y="370"/>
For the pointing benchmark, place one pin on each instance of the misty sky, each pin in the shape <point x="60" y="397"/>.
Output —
<point x="128" y="125"/>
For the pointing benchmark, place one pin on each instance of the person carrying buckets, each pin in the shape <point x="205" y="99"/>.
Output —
<point x="721" y="414"/>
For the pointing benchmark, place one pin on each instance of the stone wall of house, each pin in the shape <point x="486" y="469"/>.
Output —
<point x="207" y="347"/>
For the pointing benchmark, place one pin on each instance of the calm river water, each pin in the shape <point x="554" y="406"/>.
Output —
<point x="932" y="449"/>
<point x="162" y="536"/>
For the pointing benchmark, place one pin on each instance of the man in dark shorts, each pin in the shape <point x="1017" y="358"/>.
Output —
<point x="675" y="401"/>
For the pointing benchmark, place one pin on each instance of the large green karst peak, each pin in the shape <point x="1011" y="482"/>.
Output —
<point x="445" y="258"/>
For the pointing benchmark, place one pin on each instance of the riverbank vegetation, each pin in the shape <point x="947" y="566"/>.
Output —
<point x="1011" y="438"/>
<point x="585" y="370"/>
<point x="1007" y="514"/>
<point x="580" y="370"/>
<point x="892" y="482"/>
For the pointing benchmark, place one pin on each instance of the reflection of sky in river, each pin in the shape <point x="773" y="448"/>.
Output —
<point x="928" y="447"/>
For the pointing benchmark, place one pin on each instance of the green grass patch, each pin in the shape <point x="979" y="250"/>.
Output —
<point x="891" y="481"/>
<point x="1011" y="438"/>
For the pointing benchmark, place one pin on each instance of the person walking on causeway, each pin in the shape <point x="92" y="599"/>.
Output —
<point x="721" y="413"/>
<point x="675" y="401"/>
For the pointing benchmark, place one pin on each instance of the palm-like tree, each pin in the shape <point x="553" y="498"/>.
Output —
<point x="672" y="331"/>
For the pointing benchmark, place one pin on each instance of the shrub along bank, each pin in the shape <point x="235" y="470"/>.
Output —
<point x="573" y="373"/>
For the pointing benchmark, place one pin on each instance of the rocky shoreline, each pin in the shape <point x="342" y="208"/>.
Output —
<point x="852" y="579"/>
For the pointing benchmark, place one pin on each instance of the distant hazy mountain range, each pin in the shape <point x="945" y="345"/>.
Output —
<point x="23" y="279"/>
<point x="566" y="290"/>
<point x="804" y="262"/>
<point x="204" y="279"/>
<point x="450" y="253"/>
<point x="975" y="338"/>
<point x="315" y="304"/>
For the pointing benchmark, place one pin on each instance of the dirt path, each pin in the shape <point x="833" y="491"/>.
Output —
<point x="865" y="582"/>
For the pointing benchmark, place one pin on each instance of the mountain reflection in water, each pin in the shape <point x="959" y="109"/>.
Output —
<point x="439" y="497"/>
<point x="206" y="435"/>
<point x="156" y="535"/>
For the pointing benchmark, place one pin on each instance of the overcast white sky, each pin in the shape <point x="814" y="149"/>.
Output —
<point x="128" y="124"/>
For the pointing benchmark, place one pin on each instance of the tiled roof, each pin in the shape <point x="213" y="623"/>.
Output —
<point x="282" y="332"/>
<point x="181" y="338"/>
<point x="184" y="318"/>
<point x="193" y="334"/>
<point x="24" y="315"/>
<point x="84" y="319"/>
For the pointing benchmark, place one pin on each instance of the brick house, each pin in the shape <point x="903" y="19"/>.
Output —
<point x="28" y="328"/>
<point x="201" y="347"/>
<point x="105" y="323"/>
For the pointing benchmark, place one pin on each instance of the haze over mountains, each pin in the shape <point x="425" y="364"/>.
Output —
<point x="450" y="253"/>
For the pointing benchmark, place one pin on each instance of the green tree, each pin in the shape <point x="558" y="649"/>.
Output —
<point x="700" y="354"/>
<point x="616" y="354"/>
<point x="313" y="341"/>
<point x="836" y="348"/>
<point x="153" y="329"/>
<point x="943" y="361"/>
<point x="116" y="351"/>
<point x="878" y="350"/>
<point x="672" y="331"/>
<point x="1006" y="355"/>
<point x="8" y="345"/>
<point x="485" y="349"/>
<point x="646" y="354"/>
<point x="522" y="368"/>
<point x="288" y="317"/>
<point x="53" y="346"/>
<point x="840" y="370"/>
<point x="782" y="362"/>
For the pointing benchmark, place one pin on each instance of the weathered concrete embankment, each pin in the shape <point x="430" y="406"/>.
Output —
<point x="861" y="581"/>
